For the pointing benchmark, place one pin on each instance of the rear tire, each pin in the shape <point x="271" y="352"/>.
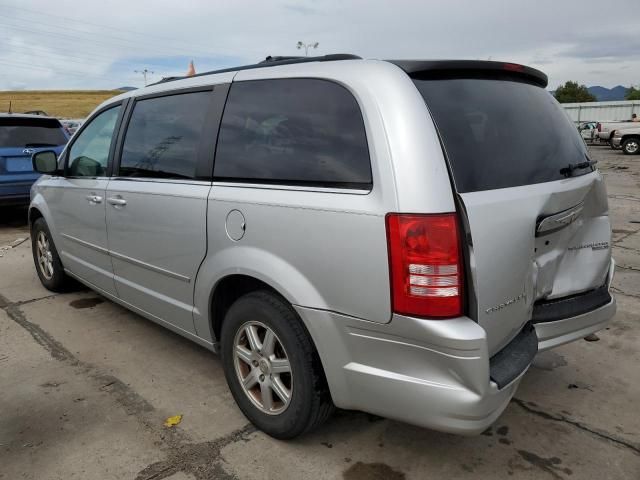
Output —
<point x="267" y="354"/>
<point x="631" y="146"/>
<point x="46" y="258"/>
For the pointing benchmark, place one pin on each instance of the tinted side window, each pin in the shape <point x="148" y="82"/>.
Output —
<point x="293" y="131"/>
<point x="89" y="152"/>
<point x="163" y="136"/>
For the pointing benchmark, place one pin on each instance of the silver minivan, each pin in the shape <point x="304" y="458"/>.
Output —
<point x="396" y="237"/>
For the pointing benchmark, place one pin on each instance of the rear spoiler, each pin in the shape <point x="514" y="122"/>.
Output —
<point x="433" y="69"/>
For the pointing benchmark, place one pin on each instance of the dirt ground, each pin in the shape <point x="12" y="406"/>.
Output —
<point x="57" y="103"/>
<point x="85" y="387"/>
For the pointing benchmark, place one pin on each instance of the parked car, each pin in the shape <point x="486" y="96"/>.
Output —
<point x="71" y="125"/>
<point x="606" y="129"/>
<point x="37" y="112"/>
<point x="628" y="139"/>
<point x="20" y="136"/>
<point x="397" y="237"/>
<point x="588" y="131"/>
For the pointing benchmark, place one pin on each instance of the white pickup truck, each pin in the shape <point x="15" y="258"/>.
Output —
<point x="628" y="139"/>
<point x="606" y="129"/>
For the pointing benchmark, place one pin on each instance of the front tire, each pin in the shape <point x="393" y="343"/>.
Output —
<point x="46" y="258"/>
<point x="272" y="367"/>
<point x="631" y="146"/>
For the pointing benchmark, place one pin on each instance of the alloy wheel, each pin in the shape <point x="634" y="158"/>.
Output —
<point x="263" y="367"/>
<point x="632" y="146"/>
<point x="45" y="257"/>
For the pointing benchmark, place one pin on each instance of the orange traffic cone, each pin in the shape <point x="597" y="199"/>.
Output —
<point x="192" y="70"/>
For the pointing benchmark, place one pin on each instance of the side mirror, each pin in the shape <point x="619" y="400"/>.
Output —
<point x="45" y="162"/>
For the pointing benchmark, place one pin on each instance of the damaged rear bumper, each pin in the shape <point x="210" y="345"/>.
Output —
<point x="433" y="373"/>
<point x="566" y="320"/>
<point x="430" y="373"/>
<point x="554" y="333"/>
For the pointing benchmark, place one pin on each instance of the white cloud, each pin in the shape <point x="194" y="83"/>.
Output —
<point x="72" y="44"/>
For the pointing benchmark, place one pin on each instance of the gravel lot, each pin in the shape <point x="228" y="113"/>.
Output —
<point x="85" y="387"/>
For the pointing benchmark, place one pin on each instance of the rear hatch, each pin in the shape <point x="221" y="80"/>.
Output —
<point x="20" y="137"/>
<point x="537" y="226"/>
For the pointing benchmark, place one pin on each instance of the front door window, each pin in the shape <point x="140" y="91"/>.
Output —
<point x="89" y="152"/>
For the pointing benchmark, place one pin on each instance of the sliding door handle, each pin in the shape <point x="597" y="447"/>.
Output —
<point x="117" y="201"/>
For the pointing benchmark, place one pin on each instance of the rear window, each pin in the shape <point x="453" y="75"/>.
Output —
<point x="293" y="132"/>
<point x="30" y="132"/>
<point x="501" y="133"/>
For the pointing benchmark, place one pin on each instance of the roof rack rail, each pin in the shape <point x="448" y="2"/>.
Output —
<point x="280" y="59"/>
<point x="270" y="62"/>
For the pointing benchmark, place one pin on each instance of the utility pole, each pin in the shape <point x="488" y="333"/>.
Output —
<point x="306" y="47"/>
<point x="144" y="74"/>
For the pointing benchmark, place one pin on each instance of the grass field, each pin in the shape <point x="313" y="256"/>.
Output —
<point x="57" y="103"/>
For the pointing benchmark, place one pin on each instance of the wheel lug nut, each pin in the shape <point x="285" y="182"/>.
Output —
<point x="262" y="378"/>
<point x="255" y="363"/>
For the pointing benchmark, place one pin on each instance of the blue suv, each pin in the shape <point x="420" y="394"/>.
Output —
<point x="21" y="136"/>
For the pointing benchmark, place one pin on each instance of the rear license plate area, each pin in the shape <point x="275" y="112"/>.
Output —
<point x="18" y="164"/>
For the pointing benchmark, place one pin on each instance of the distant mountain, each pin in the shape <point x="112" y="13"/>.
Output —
<point x="126" y="89"/>
<point x="603" y="94"/>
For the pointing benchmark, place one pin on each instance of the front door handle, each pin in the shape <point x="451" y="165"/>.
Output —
<point x="94" y="199"/>
<point x="117" y="201"/>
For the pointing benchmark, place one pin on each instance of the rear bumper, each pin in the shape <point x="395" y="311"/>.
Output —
<point x="432" y="373"/>
<point x="559" y="332"/>
<point x="14" y="193"/>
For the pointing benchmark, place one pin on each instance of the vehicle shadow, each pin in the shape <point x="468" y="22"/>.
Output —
<point x="13" y="216"/>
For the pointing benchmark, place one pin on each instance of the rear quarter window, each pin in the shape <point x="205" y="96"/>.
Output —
<point x="293" y="132"/>
<point x="501" y="133"/>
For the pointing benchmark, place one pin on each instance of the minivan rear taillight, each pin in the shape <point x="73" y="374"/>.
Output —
<point x="599" y="126"/>
<point x="425" y="263"/>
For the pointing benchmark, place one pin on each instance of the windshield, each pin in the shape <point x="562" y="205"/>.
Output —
<point x="31" y="132"/>
<point x="502" y="133"/>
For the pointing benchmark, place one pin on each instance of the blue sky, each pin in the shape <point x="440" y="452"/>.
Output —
<point x="71" y="44"/>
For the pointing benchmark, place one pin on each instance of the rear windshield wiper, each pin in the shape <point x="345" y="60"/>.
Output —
<point x="40" y="144"/>
<point x="569" y="169"/>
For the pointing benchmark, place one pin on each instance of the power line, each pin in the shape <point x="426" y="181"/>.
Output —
<point x="65" y="73"/>
<point x="43" y="52"/>
<point x="173" y="41"/>
<point x="47" y="68"/>
<point x="27" y="51"/>
<point x="124" y="42"/>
